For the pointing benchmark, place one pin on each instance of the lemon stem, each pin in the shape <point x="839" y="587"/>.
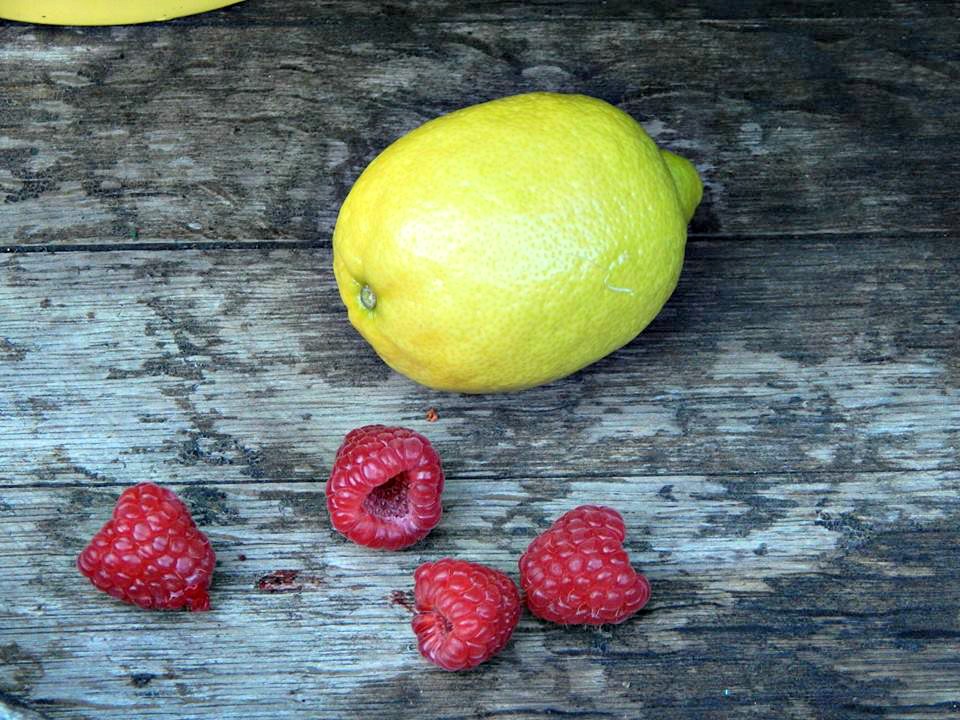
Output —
<point x="368" y="298"/>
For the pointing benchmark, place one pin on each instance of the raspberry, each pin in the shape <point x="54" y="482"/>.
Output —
<point x="150" y="553"/>
<point x="384" y="490"/>
<point x="577" y="572"/>
<point x="466" y="612"/>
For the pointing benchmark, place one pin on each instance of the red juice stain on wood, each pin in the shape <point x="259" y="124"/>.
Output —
<point x="403" y="598"/>
<point x="287" y="581"/>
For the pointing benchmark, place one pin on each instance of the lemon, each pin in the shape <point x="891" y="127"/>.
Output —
<point x="103" y="12"/>
<point x="513" y="242"/>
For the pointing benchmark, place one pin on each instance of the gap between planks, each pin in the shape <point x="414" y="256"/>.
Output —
<point x="292" y="244"/>
<point x="577" y="476"/>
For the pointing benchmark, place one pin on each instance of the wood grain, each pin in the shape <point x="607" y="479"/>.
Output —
<point x="788" y="466"/>
<point x="242" y="364"/>
<point x="252" y="123"/>
<point x="834" y="611"/>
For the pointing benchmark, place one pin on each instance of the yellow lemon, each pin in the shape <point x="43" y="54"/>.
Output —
<point x="513" y="242"/>
<point x="103" y="12"/>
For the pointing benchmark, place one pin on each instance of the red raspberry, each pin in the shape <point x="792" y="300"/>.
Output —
<point x="150" y="552"/>
<point x="577" y="572"/>
<point x="466" y="612"/>
<point x="384" y="490"/>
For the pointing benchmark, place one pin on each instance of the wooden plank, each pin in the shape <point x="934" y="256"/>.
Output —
<point x="213" y="129"/>
<point x="225" y="366"/>
<point x="283" y="13"/>
<point x="301" y="12"/>
<point x="840" y="608"/>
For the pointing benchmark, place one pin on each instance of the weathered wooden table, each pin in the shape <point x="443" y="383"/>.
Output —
<point x="783" y="440"/>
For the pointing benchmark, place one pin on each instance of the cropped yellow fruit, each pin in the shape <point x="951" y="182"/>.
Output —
<point x="103" y="12"/>
<point x="513" y="242"/>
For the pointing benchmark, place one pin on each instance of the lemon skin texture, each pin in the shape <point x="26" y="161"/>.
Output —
<point x="514" y="242"/>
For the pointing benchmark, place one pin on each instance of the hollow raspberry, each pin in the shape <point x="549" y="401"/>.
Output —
<point x="466" y="612"/>
<point x="384" y="489"/>
<point x="577" y="572"/>
<point x="150" y="552"/>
